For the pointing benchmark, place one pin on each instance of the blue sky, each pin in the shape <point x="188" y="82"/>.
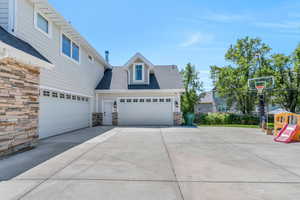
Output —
<point x="178" y="32"/>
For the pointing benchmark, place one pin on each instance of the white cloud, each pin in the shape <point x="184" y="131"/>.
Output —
<point x="196" y="39"/>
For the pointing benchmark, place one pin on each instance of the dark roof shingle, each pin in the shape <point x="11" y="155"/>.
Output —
<point x="19" y="44"/>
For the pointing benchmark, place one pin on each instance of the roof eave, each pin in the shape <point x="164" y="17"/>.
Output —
<point x="7" y="51"/>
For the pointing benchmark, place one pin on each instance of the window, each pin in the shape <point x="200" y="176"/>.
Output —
<point x="139" y="72"/>
<point x="168" y="100"/>
<point x="66" y="46"/>
<point x="161" y="100"/>
<point x="155" y="100"/>
<point x="42" y="23"/>
<point x="73" y="97"/>
<point x="128" y="100"/>
<point x="68" y="96"/>
<point x="135" y="100"/>
<point x="148" y="100"/>
<point x="46" y="93"/>
<point x="78" y="98"/>
<point x="142" y="100"/>
<point x="122" y="100"/>
<point x="55" y="94"/>
<point x="70" y="49"/>
<point x="62" y="96"/>
<point x="75" y="52"/>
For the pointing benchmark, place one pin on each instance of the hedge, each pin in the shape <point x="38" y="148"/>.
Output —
<point x="227" y="118"/>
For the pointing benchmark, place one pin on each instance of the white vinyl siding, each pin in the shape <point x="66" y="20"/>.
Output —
<point x="67" y="74"/>
<point x="4" y="13"/>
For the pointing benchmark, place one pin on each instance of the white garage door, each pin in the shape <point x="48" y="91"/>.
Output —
<point x="60" y="113"/>
<point x="145" y="111"/>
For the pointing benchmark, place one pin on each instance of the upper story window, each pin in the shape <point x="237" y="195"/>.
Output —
<point x="42" y="23"/>
<point x="70" y="48"/>
<point x="139" y="72"/>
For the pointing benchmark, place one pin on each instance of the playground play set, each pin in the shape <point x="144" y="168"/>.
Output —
<point x="286" y="125"/>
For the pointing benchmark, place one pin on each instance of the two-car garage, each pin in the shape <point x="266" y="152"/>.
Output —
<point x="145" y="111"/>
<point x="62" y="112"/>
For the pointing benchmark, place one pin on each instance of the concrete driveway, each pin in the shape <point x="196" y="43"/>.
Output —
<point x="165" y="164"/>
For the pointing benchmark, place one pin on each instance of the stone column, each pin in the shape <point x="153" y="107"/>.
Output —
<point x="19" y="106"/>
<point x="177" y="118"/>
<point x="97" y="119"/>
<point x="115" y="119"/>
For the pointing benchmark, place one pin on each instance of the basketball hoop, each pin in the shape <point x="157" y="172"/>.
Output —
<point x="260" y="88"/>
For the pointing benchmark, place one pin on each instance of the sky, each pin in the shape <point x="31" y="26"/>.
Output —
<point x="179" y="32"/>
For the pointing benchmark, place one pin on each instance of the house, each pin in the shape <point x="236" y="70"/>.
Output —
<point x="55" y="81"/>
<point x="140" y="93"/>
<point x="210" y="102"/>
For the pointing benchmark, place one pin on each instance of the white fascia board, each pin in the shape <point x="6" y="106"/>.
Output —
<point x="140" y="56"/>
<point x="7" y="51"/>
<point x="140" y="91"/>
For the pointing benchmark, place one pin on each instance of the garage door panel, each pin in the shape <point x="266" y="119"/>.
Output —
<point x="58" y="116"/>
<point x="145" y="113"/>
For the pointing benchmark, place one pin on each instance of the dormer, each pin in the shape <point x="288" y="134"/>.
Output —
<point x="139" y="70"/>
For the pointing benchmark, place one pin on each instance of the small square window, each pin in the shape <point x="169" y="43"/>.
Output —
<point x="155" y="100"/>
<point x="46" y="93"/>
<point x="142" y="100"/>
<point x="82" y="98"/>
<point x="148" y="100"/>
<point x="135" y="100"/>
<point x="87" y="99"/>
<point x="78" y="98"/>
<point x="55" y="94"/>
<point x="42" y="23"/>
<point x="161" y="100"/>
<point x="68" y="96"/>
<point x="168" y="100"/>
<point x="73" y="97"/>
<point x="122" y="100"/>
<point x="128" y="100"/>
<point x="62" y="96"/>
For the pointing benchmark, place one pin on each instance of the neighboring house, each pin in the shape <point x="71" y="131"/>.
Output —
<point x="66" y="69"/>
<point x="143" y="94"/>
<point x="210" y="102"/>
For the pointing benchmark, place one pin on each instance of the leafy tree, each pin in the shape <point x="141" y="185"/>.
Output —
<point x="249" y="59"/>
<point x="286" y="70"/>
<point x="193" y="88"/>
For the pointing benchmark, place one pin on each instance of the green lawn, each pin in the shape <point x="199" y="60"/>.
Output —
<point x="229" y="125"/>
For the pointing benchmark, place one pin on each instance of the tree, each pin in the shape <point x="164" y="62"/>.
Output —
<point x="287" y="80"/>
<point x="193" y="88"/>
<point x="249" y="59"/>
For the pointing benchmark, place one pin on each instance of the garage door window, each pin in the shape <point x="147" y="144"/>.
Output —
<point x="148" y="100"/>
<point x="161" y="100"/>
<point x="135" y="100"/>
<point x="46" y="93"/>
<point x="122" y="100"/>
<point x="168" y="100"/>
<point x="155" y="100"/>
<point x="142" y="100"/>
<point x="128" y="100"/>
<point x="54" y="94"/>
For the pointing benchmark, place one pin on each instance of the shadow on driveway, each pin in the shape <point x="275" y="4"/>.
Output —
<point x="16" y="164"/>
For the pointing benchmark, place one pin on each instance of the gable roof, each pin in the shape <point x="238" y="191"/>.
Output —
<point x="163" y="77"/>
<point x="19" y="44"/>
<point x="141" y="57"/>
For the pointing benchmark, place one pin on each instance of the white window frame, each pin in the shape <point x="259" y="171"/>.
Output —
<point x="72" y="41"/>
<point x="143" y="73"/>
<point x="49" y="34"/>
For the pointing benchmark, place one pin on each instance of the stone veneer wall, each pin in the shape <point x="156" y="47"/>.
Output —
<point x="97" y="119"/>
<point x="19" y="106"/>
<point x="177" y="118"/>
<point x="115" y="119"/>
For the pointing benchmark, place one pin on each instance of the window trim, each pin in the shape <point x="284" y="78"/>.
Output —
<point x="71" y="50"/>
<point x="143" y="72"/>
<point x="35" y="21"/>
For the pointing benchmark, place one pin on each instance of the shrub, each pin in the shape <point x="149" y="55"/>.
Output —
<point x="226" y="118"/>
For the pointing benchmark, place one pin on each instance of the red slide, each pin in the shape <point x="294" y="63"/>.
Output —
<point x="287" y="134"/>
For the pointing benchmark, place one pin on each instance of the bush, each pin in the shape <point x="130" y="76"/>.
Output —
<point x="226" y="118"/>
